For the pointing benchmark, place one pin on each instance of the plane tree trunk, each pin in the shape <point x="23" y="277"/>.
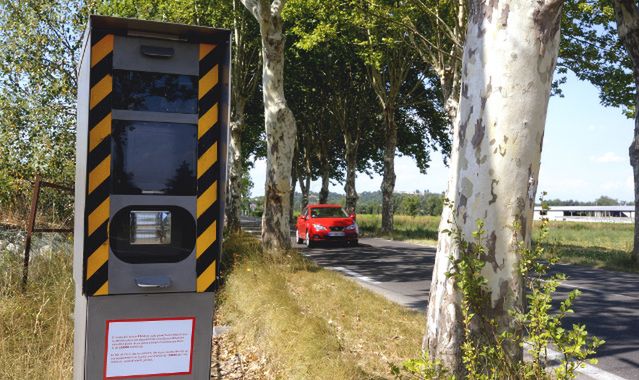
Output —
<point x="305" y="185"/>
<point x="235" y="169"/>
<point x="351" y="133"/>
<point x="293" y="184"/>
<point x="305" y="177"/>
<point x="388" y="179"/>
<point x="245" y="77"/>
<point x="627" y="16"/>
<point x="386" y="86"/>
<point x="351" y="143"/>
<point x="508" y="63"/>
<point x="325" y="170"/>
<point x="279" y="123"/>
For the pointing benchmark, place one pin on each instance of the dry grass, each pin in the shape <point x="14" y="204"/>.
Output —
<point x="312" y="323"/>
<point x="36" y="328"/>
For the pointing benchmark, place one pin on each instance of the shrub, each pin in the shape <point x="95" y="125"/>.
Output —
<point x="486" y="351"/>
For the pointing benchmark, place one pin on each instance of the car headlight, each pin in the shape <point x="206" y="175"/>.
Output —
<point x="319" y="227"/>
<point x="352" y="227"/>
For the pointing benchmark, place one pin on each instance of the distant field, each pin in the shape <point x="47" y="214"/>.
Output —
<point x="419" y="229"/>
<point x="602" y="245"/>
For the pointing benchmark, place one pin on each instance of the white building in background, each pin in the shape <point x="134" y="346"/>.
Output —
<point x="608" y="214"/>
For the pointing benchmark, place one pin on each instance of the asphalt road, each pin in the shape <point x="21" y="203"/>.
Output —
<point x="609" y="305"/>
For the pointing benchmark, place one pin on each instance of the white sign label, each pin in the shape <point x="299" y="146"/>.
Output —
<point x="148" y="347"/>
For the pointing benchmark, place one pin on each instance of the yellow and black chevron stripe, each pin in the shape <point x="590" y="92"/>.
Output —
<point x="208" y="170"/>
<point x="96" y="244"/>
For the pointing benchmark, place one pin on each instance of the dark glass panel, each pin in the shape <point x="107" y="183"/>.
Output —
<point x="155" y="92"/>
<point x="153" y="158"/>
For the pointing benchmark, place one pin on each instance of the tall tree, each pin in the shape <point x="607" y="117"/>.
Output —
<point x="436" y="33"/>
<point x="627" y="17"/>
<point x="330" y="74"/>
<point x="508" y="63"/>
<point x="41" y="43"/>
<point x="389" y="63"/>
<point x="245" y="67"/>
<point x="279" y="124"/>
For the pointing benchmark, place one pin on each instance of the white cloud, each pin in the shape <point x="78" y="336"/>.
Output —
<point x="630" y="182"/>
<point x="607" y="157"/>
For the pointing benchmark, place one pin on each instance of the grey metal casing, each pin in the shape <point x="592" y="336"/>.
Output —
<point x="136" y="306"/>
<point x="127" y="56"/>
<point x="91" y="312"/>
<point x="80" y="309"/>
<point x="123" y="275"/>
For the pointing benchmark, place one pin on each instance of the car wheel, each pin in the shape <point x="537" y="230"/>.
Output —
<point x="298" y="239"/>
<point x="309" y="243"/>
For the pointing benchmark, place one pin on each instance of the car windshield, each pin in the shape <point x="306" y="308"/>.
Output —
<point x="328" y="212"/>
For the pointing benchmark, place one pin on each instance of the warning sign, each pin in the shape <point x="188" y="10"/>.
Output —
<point x="148" y="347"/>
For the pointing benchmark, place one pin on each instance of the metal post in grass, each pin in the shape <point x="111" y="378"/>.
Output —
<point x="37" y="185"/>
<point x="30" y="224"/>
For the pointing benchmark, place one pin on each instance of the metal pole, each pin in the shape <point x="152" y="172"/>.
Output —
<point x="30" y="224"/>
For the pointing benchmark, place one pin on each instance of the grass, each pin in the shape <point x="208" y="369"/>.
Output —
<point x="36" y="328"/>
<point x="308" y="322"/>
<point x="312" y="323"/>
<point x="600" y="245"/>
<point x="417" y="229"/>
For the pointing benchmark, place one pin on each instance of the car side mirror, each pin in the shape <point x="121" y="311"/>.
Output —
<point x="353" y="216"/>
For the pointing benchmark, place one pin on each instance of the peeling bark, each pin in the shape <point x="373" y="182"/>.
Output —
<point x="627" y="16"/>
<point x="279" y="123"/>
<point x="245" y="78"/>
<point x="235" y="172"/>
<point x="511" y="46"/>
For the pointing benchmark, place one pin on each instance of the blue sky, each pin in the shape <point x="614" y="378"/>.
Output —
<point x="585" y="153"/>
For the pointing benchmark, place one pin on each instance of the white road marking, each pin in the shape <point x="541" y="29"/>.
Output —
<point x="355" y="275"/>
<point x="587" y="289"/>
<point x="588" y="369"/>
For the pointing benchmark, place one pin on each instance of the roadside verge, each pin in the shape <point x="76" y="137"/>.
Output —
<point x="309" y="322"/>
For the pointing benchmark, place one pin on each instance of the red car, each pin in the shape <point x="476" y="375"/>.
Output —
<point x="325" y="222"/>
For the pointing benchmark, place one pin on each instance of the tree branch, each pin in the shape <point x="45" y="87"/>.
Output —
<point x="252" y="7"/>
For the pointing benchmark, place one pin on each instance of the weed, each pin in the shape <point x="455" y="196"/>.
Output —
<point x="489" y="351"/>
<point x="36" y="327"/>
<point x="309" y="322"/>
